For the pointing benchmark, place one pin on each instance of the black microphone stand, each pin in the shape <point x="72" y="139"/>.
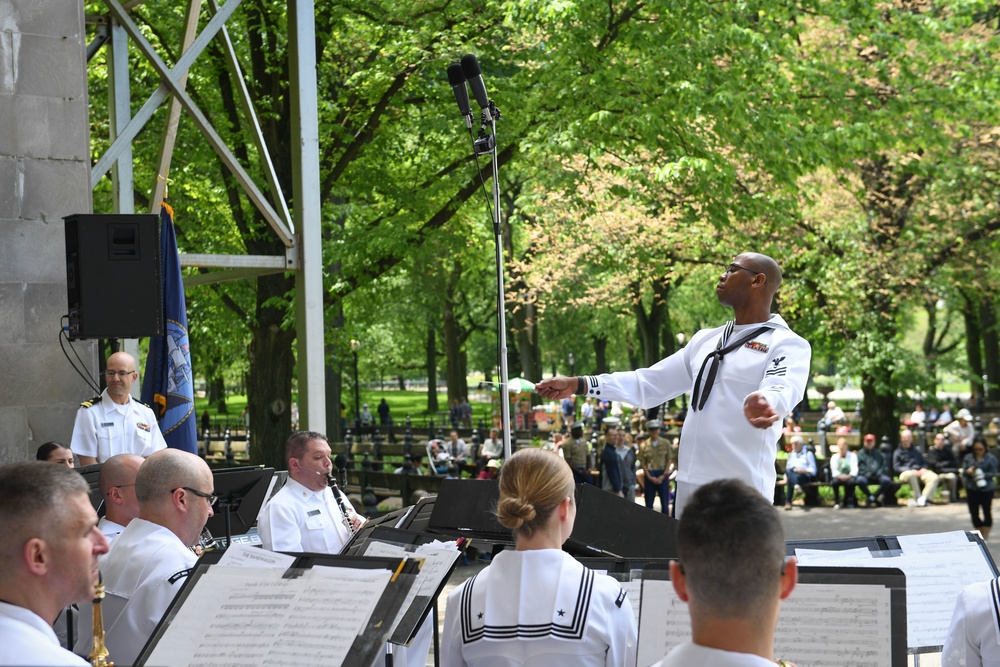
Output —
<point x="486" y="143"/>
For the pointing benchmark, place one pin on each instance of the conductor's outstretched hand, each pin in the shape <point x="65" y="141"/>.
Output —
<point x="556" y="387"/>
<point x="758" y="411"/>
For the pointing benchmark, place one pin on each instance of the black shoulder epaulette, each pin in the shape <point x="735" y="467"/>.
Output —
<point x="91" y="401"/>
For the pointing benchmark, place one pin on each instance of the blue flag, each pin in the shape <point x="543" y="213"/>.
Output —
<point x="168" y="385"/>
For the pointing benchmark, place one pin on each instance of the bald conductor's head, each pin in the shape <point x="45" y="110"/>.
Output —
<point x="171" y="487"/>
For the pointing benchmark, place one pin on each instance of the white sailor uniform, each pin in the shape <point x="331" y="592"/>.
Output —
<point x="26" y="639"/>
<point x="144" y="570"/>
<point x="538" y="607"/>
<point x="689" y="653"/>
<point x="104" y="428"/>
<point x="300" y="520"/>
<point x="974" y="637"/>
<point x="717" y="441"/>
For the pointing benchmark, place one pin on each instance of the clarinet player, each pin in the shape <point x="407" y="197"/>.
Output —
<point x="306" y="515"/>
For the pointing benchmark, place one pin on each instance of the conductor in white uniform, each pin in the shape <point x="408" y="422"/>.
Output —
<point x="48" y="558"/>
<point x="744" y="377"/>
<point x="113" y="423"/>
<point x="304" y="516"/>
<point x="152" y="556"/>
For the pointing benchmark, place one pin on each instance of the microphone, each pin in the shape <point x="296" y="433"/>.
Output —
<point x="474" y="75"/>
<point x="457" y="80"/>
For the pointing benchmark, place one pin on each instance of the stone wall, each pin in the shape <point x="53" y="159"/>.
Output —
<point x="44" y="175"/>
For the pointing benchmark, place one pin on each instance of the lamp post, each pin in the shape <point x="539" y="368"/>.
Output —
<point x="355" y="346"/>
<point x="572" y="364"/>
<point x="680" y="340"/>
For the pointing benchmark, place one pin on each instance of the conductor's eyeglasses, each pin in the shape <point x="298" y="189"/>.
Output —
<point x="211" y="498"/>
<point x="122" y="374"/>
<point x="732" y="269"/>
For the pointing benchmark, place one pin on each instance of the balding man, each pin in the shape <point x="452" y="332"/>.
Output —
<point x="117" y="484"/>
<point x="733" y="575"/>
<point x="48" y="558"/>
<point x="152" y="556"/>
<point x="744" y="377"/>
<point x="112" y="422"/>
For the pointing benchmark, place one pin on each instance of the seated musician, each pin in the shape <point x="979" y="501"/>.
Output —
<point x="153" y="555"/>
<point x="733" y="575"/>
<point x="48" y="558"/>
<point x="537" y="605"/>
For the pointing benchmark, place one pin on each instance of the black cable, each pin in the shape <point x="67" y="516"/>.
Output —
<point x="63" y="339"/>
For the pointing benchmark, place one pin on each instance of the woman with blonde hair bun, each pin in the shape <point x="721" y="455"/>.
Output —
<point x="537" y="603"/>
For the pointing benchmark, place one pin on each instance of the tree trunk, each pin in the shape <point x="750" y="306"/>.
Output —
<point x="648" y="324"/>
<point x="400" y="383"/>
<point x="432" y="397"/>
<point x="270" y="384"/>
<point x="216" y="391"/>
<point x="879" y="416"/>
<point x="973" y="345"/>
<point x="991" y="348"/>
<point x="930" y="351"/>
<point x="452" y="338"/>
<point x="600" y="342"/>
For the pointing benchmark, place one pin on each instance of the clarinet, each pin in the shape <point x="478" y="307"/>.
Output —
<point x="341" y="503"/>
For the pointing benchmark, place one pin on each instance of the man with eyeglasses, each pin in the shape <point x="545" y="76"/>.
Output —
<point x="117" y="484"/>
<point x="733" y="575"/>
<point x="744" y="377"/>
<point x="152" y="556"/>
<point x="112" y="422"/>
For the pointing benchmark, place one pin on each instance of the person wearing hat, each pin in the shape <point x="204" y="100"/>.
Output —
<point x="576" y="451"/>
<point x="656" y="464"/>
<point x="961" y="432"/>
<point x="366" y="417"/>
<point x="744" y="377"/>
<point x="873" y="469"/>
<point x="491" y="470"/>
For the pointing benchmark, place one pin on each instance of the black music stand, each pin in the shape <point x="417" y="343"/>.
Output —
<point x="241" y="492"/>
<point x="92" y="475"/>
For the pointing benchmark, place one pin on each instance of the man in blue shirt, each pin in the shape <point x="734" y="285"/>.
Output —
<point x="800" y="468"/>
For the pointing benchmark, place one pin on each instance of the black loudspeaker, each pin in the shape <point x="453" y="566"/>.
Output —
<point x="113" y="269"/>
<point x="606" y="525"/>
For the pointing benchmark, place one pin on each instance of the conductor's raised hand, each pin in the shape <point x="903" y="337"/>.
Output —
<point x="556" y="387"/>
<point x="758" y="411"/>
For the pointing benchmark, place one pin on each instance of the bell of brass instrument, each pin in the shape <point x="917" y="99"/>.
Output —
<point x="341" y="503"/>
<point x="99" y="655"/>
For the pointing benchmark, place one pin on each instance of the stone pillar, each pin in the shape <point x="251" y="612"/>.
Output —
<point x="44" y="175"/>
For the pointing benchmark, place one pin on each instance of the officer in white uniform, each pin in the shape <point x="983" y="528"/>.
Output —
<point x="114" y="423"/>
<point x="754" y="365"/>
<point x="48" y="558"/>
<point x="974" y="637"/>
<point x="151" y="558"/>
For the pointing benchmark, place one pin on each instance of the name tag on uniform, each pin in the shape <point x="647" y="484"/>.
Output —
<point x="142" y="427"/>
<point x="312" y="512"/>
<point x="107" y="424"/>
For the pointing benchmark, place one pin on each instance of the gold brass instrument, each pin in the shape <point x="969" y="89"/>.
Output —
<point x="99" y="655"/>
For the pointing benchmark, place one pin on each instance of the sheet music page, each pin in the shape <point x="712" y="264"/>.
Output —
<point x="259" y="618"/>
<point x="813" y="621"/>
<point x="633" y="589"/>
<point x="934" y="578"/>
<point x="834" y="625"/>
<point x="437" y="560"/>
<point x="911" y="544"/>
<point x="845" y="557"/>
<point x="244" y="555"/>
<point x="663" y="621"/>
